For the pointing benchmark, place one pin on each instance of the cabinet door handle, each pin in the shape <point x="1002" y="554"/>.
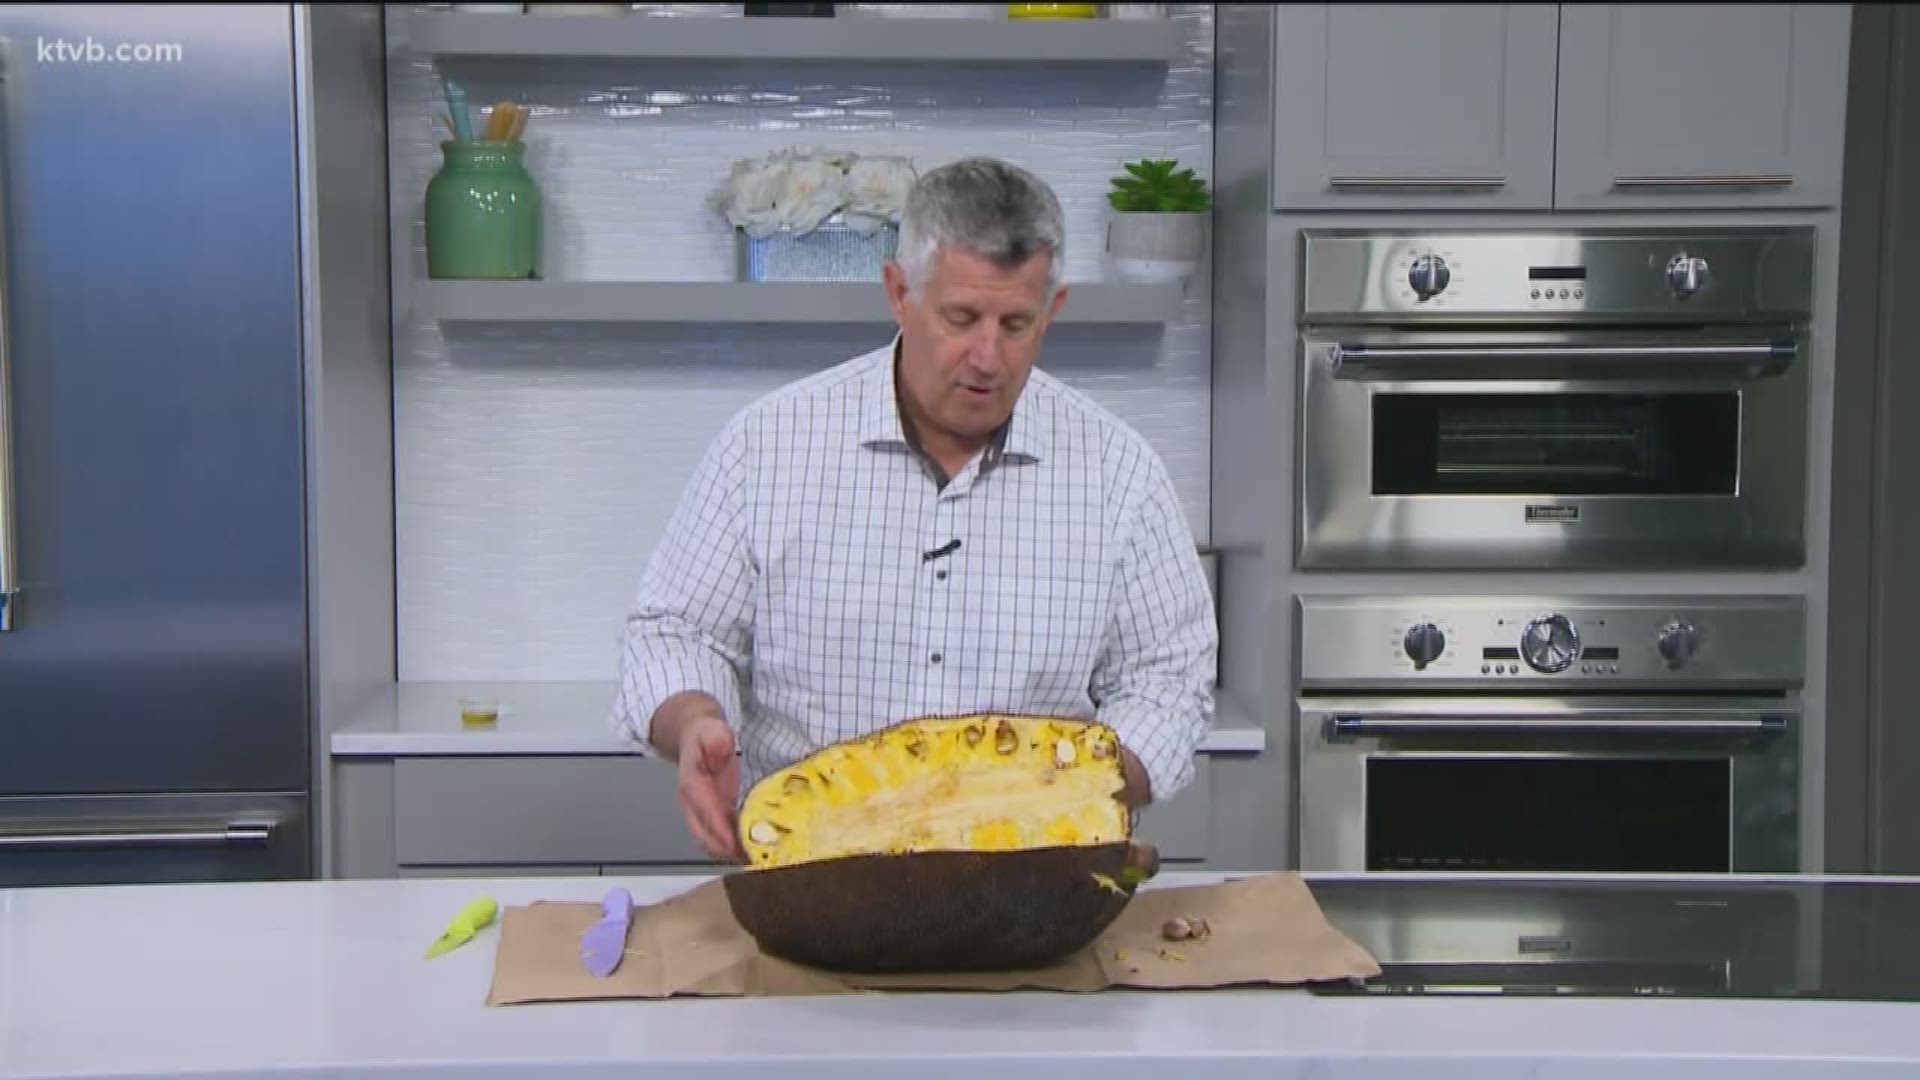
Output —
<point x="1423" y="182"/>
<point x="1729" y="180"/>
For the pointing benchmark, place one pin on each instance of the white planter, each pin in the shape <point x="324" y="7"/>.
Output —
<point x="1156" y="248"/>
<point x="832" y="252"/>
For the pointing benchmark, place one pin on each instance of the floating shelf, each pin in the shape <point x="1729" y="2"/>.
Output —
<point x="863" y="39"/>
<point x="744" y="302"/>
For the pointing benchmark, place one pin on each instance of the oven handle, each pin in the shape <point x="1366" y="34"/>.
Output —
<point x="1591" y="724"/>
<point x="1352" y="360"/>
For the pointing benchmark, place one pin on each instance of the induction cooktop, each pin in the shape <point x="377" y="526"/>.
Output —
<point x="1848" y="939"/>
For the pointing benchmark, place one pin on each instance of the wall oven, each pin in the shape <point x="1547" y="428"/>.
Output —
<point x="1547" y="734"/>
<point x="1627" y="399"/>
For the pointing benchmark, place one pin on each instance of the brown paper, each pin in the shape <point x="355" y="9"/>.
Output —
<point x="1267" y="929"/>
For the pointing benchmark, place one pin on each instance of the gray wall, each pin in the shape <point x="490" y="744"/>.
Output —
<point x="1251" y="795"/>
<point x="1873" y="809"/>
<point x="342" y="88"/>
<point x="591" y="432"/>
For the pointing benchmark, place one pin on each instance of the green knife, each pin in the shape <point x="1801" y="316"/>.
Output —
<point x="469" y="922"/>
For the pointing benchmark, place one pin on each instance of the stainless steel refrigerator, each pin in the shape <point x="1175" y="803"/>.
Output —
<point x="153" y="669"/>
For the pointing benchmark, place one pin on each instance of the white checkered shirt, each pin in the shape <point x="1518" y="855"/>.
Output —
<point x="794" y="582"/>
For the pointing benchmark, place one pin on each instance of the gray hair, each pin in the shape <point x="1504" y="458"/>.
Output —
<point x="994" y="209"/>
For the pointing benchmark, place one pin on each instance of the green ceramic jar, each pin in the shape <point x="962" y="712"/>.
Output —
<point x="483" y="213"/>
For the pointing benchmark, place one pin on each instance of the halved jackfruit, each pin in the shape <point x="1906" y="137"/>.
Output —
<point x="952" y="844"/>
<point x="972" y="783"/>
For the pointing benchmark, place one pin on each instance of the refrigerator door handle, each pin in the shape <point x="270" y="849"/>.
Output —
<point x="247" y="834"/>
<point x="9" y="526"/>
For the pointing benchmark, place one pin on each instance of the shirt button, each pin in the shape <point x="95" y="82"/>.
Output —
<point x="940" y="575"/>
<point x="935" y="658"/>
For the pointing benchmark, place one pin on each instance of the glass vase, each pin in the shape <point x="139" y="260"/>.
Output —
<point x="483" y="213"/>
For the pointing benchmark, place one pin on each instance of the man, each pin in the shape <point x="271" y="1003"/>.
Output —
<point x="933" y="528"/>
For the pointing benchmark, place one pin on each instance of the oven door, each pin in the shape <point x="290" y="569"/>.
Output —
<point x="1597" y="449"/>
<point x="1626" y="785"/>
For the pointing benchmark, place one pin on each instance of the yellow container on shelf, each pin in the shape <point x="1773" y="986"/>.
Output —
<point x="479" y="711"/>
<point x="1052" y="11"/>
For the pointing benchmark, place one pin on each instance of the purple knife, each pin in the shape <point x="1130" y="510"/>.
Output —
<point x="604" y="944"/>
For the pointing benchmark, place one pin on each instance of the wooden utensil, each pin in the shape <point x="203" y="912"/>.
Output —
<point x="499" y="120"/>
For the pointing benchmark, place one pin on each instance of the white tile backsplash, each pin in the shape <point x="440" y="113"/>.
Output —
<point x="534" y="468"/>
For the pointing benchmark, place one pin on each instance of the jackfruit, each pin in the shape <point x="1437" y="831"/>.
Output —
<point x="967" y="843"/>
<point x="972" y="783"/>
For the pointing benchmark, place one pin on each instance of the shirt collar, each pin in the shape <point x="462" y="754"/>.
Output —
<point x="1029" y="433"/>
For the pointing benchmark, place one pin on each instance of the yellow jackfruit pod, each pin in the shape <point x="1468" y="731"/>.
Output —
<point x="968" y="783"/>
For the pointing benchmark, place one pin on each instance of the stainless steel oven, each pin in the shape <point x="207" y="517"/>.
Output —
<point x="1640" y="734"/>
<point x="1572" y="399"/>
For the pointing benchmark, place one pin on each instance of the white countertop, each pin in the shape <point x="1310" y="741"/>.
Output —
<point x="423" y="719"/>
<point x="327" y="979"/>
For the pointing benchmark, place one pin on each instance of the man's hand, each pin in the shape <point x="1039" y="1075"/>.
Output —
<point x="691" y="729"/>
<point x="709" y="784"/>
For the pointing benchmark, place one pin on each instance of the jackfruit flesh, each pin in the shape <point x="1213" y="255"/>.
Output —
<point x="973" y="783"/>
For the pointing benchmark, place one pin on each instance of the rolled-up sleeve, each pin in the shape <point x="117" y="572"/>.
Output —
<point x="1154" y="682"/>
<point x="690" y="627"/>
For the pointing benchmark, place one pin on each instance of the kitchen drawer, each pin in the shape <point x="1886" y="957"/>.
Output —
<point x="71" y="840"/>
<point x="621" y="813"/>
<point x="538" y="810"/>
<point x="500" y="870"/>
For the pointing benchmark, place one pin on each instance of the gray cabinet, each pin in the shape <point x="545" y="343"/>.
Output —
<point x="1701" y="104"/>
<point x="1414" y="107"/>
<point x="1544" y="106"/>
<point x="478" y="811"/>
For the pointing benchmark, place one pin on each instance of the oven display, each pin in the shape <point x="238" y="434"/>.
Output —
<point x="1557" y="273"/>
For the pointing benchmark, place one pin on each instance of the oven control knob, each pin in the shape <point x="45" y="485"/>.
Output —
<point x="1428" y="276"/>
<point x="1550" y="643"/>
<point x="1424" y="644"/>
<point x="1686" y="274"/>
<point x="1678" y="642"/>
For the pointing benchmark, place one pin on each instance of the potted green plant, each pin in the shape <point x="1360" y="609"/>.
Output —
<point x="1159" y="227"/>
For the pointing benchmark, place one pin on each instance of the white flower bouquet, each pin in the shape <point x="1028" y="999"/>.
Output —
<point x="797" y="190"/>
<point x="812" y="215"/>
